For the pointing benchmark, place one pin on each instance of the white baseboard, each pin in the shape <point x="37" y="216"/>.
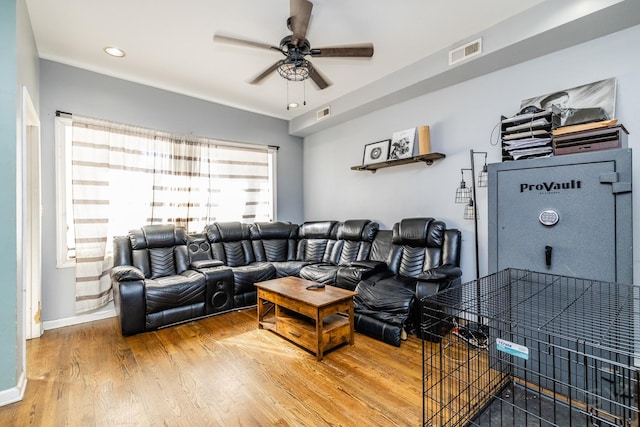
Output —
<point x="103" y="313"/>
<point x="14" y="394"/>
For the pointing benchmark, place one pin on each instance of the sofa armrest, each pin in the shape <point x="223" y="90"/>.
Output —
<point x="123" y="273"/>
<point x="348" y="276"/>
<point x="206" y="263"/>
<point x="443" y="273"/>
<point x="437" y="279"/>
<point x="130" y="306"/>
<point x="429" y="288"/>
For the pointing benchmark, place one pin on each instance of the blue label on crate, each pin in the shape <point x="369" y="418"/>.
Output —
<point x="512" y="348"/>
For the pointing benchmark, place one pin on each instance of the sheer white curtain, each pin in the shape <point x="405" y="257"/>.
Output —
<point x="125" y="176"/>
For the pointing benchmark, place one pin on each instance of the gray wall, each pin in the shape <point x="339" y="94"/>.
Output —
<point x="83" y="92"/>
<point x="462" y="117"/>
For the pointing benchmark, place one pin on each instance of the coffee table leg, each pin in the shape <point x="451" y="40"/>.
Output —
<point x="260" y="312"/>
<point x="319" y="336"/>
<point x="351" y="320"/>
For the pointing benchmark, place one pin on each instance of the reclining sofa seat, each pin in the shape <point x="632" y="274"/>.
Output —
<point x="352" y="243"/>
<point x="422" y="259"/>
<point x="276" y="243"/>
<point x="155" y="284"/>
<point x="231" y="244"/>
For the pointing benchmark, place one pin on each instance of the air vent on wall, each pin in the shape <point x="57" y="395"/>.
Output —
<point x="465" y="52"/>
<point x="324" y="113"/>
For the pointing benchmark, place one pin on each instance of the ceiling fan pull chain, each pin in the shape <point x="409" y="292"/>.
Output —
<point x="288" y="104"/>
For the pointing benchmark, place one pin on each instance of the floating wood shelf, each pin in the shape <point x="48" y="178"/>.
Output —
<point x="426" y="158"/>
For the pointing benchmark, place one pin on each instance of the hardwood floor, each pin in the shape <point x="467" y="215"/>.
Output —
<point x="219" y="371"/>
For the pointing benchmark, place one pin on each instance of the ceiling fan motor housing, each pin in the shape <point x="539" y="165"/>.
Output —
<point x="292" y="51"/>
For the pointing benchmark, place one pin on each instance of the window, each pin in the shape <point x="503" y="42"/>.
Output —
<point x="113" y="177"/>
<point x="65" y="236"/>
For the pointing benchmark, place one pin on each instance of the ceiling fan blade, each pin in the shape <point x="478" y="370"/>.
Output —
<point x="265" y="73"/>
<point x="232" y="40"/>
<point x="299" y="20"/>
<point x="318" y="78"/>
<point x="355" y="51"/>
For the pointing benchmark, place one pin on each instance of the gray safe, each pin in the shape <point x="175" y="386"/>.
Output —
<point x="569" y="215"/>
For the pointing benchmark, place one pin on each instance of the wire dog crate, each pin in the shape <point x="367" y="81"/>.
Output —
<point x="524" y="348"/>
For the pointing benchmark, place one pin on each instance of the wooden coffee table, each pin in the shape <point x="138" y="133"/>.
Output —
<point x="316" y="319"/>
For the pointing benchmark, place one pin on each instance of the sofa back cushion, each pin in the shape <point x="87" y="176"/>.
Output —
<point x="420" y="242"/>
<point x="230" y="243"/>
<point x="274" y="241"/>
<point x="382" y="247"/>
<point x="316" y="240"/>
<point x="159" y="250"/>
<point x="354" y="241"/>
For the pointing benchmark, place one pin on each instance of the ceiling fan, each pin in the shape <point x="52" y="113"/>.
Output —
<point x="296" y="47"/>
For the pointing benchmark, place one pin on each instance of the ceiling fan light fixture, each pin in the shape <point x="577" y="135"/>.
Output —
<point x="114" y="51"/>
<point x="294" y="71"/>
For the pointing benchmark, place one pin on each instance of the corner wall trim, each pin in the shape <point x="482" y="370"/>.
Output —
<point x="14" y="394"/>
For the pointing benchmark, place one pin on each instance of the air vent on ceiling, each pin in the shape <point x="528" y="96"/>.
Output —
<point x="324" y="113"/>
<point x="465" y="52"/>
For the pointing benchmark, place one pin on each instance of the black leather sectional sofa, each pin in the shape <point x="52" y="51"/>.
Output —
<point x="164" y="276"/>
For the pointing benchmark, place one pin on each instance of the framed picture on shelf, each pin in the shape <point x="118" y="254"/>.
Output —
<point x="582" y="104"/>
<point x="402" y="144"/>
<point x="376" y="152"/>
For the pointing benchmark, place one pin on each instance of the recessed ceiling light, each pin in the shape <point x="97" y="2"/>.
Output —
<point x="294" y="105"/>
<point x="114" y="51"/>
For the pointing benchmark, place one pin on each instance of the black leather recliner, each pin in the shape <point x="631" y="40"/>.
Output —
<point x="422" y="258"/>
<point x="352" y="244"/>
<point x="155" y="284"/>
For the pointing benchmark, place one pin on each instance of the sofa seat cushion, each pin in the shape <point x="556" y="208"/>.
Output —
<point x="244" y="293"/>
<point x="288" y="268"/>
<point x="246" y="275"/>
<point x="320" y="273"/>
<point x="400" y="282"/>
<point x="174" y="291"/>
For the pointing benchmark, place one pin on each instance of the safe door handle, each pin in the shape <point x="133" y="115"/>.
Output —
<point x="547" y="255"/>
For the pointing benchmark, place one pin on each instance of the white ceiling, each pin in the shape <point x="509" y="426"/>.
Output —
<point x="169" y="43"/>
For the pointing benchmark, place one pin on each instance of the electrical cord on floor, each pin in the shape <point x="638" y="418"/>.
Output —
<point x="477" y="338"/>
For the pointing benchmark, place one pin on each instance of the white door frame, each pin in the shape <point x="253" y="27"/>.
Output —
<point x="31" y="186"/>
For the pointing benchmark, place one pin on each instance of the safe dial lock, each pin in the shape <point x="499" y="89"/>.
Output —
<point x="549" y="217"/>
